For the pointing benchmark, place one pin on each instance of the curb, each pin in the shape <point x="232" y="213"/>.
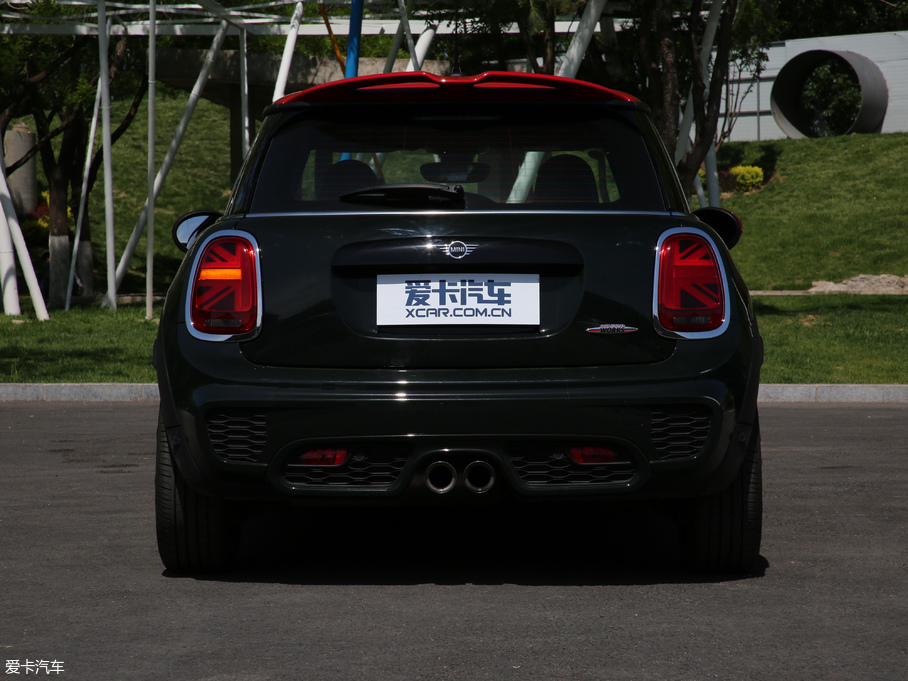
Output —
<point x="148" y="392"/>
<point x="78" y="392"/>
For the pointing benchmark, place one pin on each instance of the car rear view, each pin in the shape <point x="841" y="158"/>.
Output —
<point x="462" y="290"/>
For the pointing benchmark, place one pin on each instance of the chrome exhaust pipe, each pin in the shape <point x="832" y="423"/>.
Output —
<point x="479" y="477"/>
<point x="441" y="477"/>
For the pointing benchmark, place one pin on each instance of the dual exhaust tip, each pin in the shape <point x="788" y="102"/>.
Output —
<point x="478" y="477"/>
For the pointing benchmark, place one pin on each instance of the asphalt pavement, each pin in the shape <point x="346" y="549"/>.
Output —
<point x="576" y="592"/>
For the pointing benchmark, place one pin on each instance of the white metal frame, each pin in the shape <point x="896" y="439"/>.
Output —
<point x="205" y="17"/>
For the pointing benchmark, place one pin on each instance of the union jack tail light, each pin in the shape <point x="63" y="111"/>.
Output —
<point x="225" y="292"/>
<point x="691" y="294"/>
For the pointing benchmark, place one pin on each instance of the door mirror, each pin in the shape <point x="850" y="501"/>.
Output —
<point x="188" y="226"/>
<point x="725" y="223"/>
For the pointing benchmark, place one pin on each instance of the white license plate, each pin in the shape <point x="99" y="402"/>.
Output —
<point x="404" y="299"/>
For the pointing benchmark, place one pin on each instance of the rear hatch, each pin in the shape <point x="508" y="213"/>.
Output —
<point x="418" y="290"/>
<point x="502" y="220"/>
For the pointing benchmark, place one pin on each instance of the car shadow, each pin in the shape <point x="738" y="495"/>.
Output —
<point x="565" y="544"/>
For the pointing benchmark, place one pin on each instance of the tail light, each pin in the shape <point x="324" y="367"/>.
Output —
<point x="323" y="457"/>
<point x="690" y="290"/>
<point x="225" y="293"/>
<point x="594" y="455"/>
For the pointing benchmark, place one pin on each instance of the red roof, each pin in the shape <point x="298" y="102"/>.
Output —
<point x="422" y="85"/>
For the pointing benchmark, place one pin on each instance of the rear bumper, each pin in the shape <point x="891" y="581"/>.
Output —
<point x="681" y="425"/>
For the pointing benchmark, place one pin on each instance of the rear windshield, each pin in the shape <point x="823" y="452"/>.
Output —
<point x="550" y="158"/>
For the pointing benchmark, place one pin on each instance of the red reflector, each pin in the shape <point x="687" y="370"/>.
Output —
<point x="691" y="295"/>
<point x="323" y="457"/>
<point x="399" y="86"/>
<point x="225" y="291"/>
<point x="522" y="86"/>
<point x="593" y="455"/>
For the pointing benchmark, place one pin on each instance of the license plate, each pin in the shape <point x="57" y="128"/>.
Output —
<point x="405" y="299"/>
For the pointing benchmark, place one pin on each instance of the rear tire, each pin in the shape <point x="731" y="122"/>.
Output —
<point x="722" y="532"/>
<point x="195" y="532"/>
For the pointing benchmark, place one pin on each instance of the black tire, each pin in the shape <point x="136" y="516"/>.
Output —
<point x="722" y="532"/>
<point x="195" y="532"/>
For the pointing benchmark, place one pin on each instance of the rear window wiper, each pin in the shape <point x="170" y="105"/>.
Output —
<point x="410" y="195"/>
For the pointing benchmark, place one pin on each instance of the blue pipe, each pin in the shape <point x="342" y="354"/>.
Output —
<point x="356" y="29"/>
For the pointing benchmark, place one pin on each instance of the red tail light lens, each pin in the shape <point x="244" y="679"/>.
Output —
<point x="594" y="455"/>
<point x="691" y="294"/>
<point x="225" y="292"/>
<point x="323" y="457"/>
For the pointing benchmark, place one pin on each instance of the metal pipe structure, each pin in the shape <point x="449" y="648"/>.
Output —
<point x="283" y="73"/>
<point x="581" y="40"/>
<point x="191" y="28"/>
<point x="356" y="28"/>
<point x="103" y="82"/>
<point x="569" y="66"/>
<point x="83" y="198"/>
<point x="149" y="260"/>
<point x="8" y="283"/>
<point x="8" y="216"/>
<point x="172" y="150"/>
<point x="398" y="40"/>
<point x="687" y="120"/>
<point x="405" y="22"/>
<point x="418" y="56"/>
<point x="223" y="13"/>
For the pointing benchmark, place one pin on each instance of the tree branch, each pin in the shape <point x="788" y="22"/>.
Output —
<point x="21" y="94"/>
<point x="528" y="44"/>
<point x="124" y="125"/>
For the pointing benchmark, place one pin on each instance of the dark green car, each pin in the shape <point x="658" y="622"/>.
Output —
<point x="458" y="290"/>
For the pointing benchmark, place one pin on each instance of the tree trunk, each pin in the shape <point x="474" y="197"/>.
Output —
<point x="707" y="101"/>
<point x="532" y="64"/>
<point x="58" y="181"/>
<point x="548" y="35"/>
<point x="499" y="47"/>
<point x="658" y="53"/>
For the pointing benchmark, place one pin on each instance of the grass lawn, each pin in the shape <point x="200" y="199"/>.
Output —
<point x="199" y="178"/>
<point x="833" y="208"/>
<point x="82" y="345"/>
<point x="837" y="338"/>
<point x="809" y="339"/>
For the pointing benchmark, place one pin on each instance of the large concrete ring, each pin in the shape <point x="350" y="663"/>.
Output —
<point x="794" y="119"/>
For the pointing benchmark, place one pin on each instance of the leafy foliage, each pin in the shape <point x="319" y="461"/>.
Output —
<point x="816" y="18"/>
<point x="832" y="94"/>
<point x="831" y="209"/>
<point x="747" y="178"/>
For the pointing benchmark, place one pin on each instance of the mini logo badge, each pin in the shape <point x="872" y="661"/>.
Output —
<point x="612" y="329"/>
<point x="457" y="249"/>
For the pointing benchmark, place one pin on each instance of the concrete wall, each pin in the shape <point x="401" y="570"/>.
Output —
<point x="889" y="51"/>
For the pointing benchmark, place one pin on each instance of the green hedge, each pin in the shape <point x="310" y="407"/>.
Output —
<point x="747" y="177"/>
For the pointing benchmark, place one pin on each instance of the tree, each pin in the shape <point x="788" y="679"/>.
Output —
<point x="655" y="55"/>
<point x="659" y="47"/>
<point x="817" y="18"/>
<point x="54" y="79"/>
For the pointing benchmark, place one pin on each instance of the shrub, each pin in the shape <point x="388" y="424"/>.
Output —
<point x="727" y="181"/>
<point x="747" y="177"/>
